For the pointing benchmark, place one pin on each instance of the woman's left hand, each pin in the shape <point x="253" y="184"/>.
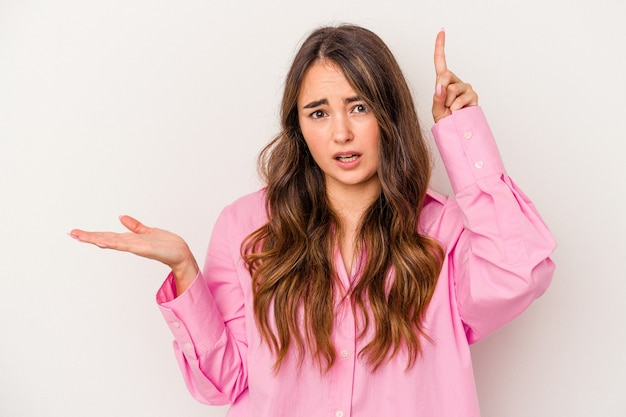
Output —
<point x="450" y="92"/>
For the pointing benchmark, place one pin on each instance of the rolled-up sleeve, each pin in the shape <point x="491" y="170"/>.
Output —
<point x="500" y="261"/>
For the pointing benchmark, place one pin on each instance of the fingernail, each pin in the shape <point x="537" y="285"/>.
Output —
<point x="442" y="30"/>
<point x="438" y="90"/>
<point x="73" y="236"/>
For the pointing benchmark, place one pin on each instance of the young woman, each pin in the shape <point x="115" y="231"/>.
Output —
<point x="346" y="287"/>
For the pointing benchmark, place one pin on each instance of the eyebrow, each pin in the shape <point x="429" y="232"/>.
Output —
<point x="320" y="102"/>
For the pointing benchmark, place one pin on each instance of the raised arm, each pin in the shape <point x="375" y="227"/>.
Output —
<point x="500" y="259"/>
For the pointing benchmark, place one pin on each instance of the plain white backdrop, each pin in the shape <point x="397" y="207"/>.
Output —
<point x="158" y="109"/>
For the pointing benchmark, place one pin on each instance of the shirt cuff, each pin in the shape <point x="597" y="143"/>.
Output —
<point x="191" y="313"/>
<point x="467" y="147"/>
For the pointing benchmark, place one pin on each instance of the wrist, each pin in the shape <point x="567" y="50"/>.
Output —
<point x="185" y="274"/>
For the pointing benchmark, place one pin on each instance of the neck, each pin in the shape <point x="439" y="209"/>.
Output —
<point x="350" y="202"/>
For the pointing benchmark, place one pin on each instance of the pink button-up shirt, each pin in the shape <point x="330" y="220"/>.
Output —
<point x="496" y="263"/>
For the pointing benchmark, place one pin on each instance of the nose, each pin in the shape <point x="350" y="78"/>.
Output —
<point x="342" y="131"/>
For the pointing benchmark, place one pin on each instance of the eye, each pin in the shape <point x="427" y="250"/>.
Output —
<point x="317" y="114"/>
<point x="360" y="108"/>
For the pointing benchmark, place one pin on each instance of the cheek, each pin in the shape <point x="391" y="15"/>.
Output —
<point x="310" y="130"/>
<point x="305" y="130"/>
<point x="373" y="137"/>
<point x="369" y="129"/>
<point x="314" y="149"/>
<point x="312" y="138"/>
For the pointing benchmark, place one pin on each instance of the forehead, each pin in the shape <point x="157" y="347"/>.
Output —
<point x="324" y="78"/>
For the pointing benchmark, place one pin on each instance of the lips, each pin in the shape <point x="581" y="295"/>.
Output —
<point x="348" y="159"/>
<point x="347" y="156"/>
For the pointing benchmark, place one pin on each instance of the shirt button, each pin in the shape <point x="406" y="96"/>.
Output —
<point x="467" y="135"/>
<point x="344" y="353"/>
<point x="479" y="164"/>
<point x="176" y="324"/>
<point x="187" y="346"/>
<point x="339" y="413"/>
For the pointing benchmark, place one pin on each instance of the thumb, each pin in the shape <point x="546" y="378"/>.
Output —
<point x="439" y="109"/>
<point x="133" y="224"/>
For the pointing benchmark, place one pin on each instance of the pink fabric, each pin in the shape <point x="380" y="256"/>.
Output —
<point x="497" y="262"/>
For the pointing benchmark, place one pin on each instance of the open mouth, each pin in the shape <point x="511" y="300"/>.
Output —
<point x="347" y="158"/>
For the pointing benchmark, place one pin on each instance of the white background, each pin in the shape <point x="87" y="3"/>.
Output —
<point x="159" y="108"/>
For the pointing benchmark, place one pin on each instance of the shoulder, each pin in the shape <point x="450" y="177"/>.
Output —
<point x="236" y="221"/>
<point x="250" y="201"/>
<point x="247" y="210"/>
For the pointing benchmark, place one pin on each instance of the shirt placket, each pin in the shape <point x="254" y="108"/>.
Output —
<point x="344" y="338"/>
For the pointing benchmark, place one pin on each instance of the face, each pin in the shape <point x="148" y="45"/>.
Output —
<point x="340" y="131"/>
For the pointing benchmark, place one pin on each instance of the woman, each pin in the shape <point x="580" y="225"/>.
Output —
<point x="346" y="287"/>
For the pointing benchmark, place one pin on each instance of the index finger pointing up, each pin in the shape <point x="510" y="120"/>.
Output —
<point x="440" y="55"/>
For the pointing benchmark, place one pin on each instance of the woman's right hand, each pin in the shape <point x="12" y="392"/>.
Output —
<point x="148" y="242"/>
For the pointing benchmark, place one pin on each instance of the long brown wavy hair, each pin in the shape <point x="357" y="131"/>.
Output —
<point x="290" y="258"/>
